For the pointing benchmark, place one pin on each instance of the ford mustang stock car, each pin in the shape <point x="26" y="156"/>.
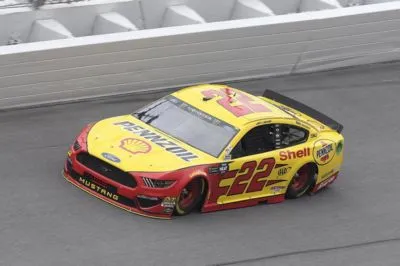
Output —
<point x="207" y="148"/>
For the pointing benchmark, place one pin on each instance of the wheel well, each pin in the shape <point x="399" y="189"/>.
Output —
<point x="315" y="167"/>
<point x="206" y="190"/>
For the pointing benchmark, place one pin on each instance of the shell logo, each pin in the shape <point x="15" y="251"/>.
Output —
<point x="135" y="146"/>
<point x="324" y="151"/>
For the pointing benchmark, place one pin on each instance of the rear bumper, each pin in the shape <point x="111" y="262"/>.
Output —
<point x="139" y="200"/>
<point x="326" y="182"/>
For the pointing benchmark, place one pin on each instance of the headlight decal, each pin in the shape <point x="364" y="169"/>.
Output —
<point x="77" y="146"/>
<point x="155" y="183"/>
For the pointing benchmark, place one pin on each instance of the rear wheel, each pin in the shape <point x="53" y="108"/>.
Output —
<point x="301" y="181"/>
<point x="190" y="197"/>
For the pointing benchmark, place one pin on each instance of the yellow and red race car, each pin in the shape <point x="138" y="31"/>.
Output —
<point x="207" y="148"/>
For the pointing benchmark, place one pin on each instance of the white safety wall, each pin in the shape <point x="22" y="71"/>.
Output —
<point x="177" y="56"/>
<point x="79" y="19"/>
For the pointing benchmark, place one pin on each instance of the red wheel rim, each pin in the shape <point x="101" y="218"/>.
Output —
<point x="189" y="194"/>
<point x="301" y="178"/>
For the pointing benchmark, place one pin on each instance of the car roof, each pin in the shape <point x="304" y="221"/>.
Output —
<point x="211" y="98"/>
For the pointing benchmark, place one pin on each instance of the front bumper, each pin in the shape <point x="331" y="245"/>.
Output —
<point x="139" y="200"/>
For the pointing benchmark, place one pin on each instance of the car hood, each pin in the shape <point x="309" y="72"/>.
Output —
<point x="132" y="145"/>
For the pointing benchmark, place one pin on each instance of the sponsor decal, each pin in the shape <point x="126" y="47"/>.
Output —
<point x="339" y="148"/>
<point x="263" y="122"/>
<point x="250" y="177"/>
<point x="221" y="169"/>
<point x="324" y="151"/>
<point x="111" y="157"/>
<point x="197" y="112"/>
<point x="213" y="170"/>
<point x="98" y="189"/>
<point x="167" y="145"/>
<point x="104" y="189"/>
<point x="200" y="114"/>
<point x="169" y="202"/>
<point x="69" y="153"/>
<point x="135" y="146"/>
<point x="277" y="189"/>
<point x="284" y="170"/>
<point x="290" y="155"/>
<point x="228" y="155"/>
<point x="168" y="210"/>
<point x="235" y="102"/>
<point x="313" y="135"/>
<point x="326" y="182"/>
<point x="290" y="111"/>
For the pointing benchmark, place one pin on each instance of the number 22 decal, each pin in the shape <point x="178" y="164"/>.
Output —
<point x="249" y="176"/>
<point x="243" y="103"/>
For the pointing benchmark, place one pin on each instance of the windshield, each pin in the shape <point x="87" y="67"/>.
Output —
<point x="188" y="124"/>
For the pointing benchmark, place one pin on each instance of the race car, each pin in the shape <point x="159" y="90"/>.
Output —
<point x="206" y="148"/>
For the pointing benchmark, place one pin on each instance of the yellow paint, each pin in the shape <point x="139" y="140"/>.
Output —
<point x="194" y="96"/>
<point x="105" y="136"/>
<point x="134" y="155"/>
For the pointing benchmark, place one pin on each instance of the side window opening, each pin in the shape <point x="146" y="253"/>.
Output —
<point x="268" y="138"/>
<point x="292" y="135"/>
<point x="258" y="140"/>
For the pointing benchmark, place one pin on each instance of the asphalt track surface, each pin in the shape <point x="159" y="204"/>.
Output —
<point x="46" y="221"/>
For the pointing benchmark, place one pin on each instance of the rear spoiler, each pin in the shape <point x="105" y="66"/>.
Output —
<point x="304" y="109"/>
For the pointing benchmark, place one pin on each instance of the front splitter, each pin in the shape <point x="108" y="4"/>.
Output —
<point x="116" y="204"/>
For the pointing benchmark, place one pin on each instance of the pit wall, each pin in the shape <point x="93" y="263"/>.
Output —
<point x="142" y="56"/>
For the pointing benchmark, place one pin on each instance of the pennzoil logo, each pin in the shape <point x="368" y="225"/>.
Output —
<point x="324" y="151"/>
<point x="135" y="146"/>
<point x="155" y="138"/>
<point x="98" y="189"/>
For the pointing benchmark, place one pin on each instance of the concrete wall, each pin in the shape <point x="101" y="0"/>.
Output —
<point x="86" y="18"/>
<point x="77" y="18"/>
<point x="101" y="65"/>
<point x="96" y="17"/>
<point x="283" y="7"/>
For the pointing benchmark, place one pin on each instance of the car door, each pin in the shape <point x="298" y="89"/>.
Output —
<point x="262" y="162"/>
<point x="253" y="160"/>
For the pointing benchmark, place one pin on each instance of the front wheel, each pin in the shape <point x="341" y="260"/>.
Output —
<point x="301" y="182"/>
<point x="190" y="197"/>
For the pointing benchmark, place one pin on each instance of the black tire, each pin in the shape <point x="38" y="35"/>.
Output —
<point x="301" y="182"/>
<point x="190" y="197"/>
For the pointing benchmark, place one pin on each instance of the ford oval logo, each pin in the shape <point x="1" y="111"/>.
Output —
<point x="111" y="157"/>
